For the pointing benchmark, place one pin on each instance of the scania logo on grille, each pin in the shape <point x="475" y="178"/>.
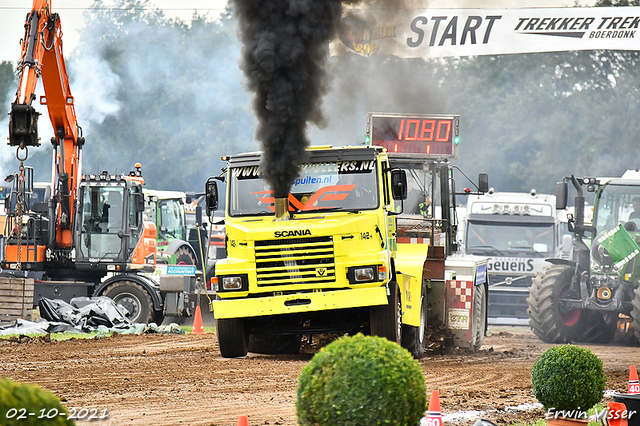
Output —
<point x="295" y="233"/>
<point x="321" y="272"/>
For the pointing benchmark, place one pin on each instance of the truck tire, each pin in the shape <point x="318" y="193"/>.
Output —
<point x="185" y="256"/>
<point x="233" y="338"/>
<point x="479" y="316"/>
<point x="386" y="320"/>
<point x="413" y="338"/>
<point x="635" y="313"/>
<point x="548" y="322"/>
<point x="134" y="298"/>
<point x="275" y="344"/>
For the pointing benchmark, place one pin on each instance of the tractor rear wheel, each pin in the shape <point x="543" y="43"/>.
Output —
<point x="184" y="256"/>
<point x="386" y="320"/>
<point x="233" y="338"/>
<point x="598" y="327"/>
<point x="549" y="321"/>
<point x="413" y="338"/>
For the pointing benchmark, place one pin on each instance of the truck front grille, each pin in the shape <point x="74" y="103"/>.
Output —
<point x="295" y="261"/>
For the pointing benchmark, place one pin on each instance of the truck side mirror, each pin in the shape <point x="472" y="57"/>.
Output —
<point x="8" y="203"/>
<point x="199" y="215"/>
<point x="562" y="190"/>
<point x="483" y="182"/>
<point x="138" y="200"/>
<point x="211" y="195"/>
<point x="399" y="184"/>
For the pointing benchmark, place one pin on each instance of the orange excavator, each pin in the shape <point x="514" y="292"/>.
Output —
<point x="89" y="238"/>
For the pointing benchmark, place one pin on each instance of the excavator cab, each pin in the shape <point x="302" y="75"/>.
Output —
<point x="110" y="225"/>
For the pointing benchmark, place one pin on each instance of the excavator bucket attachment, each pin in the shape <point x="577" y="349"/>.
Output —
<point x="23" y="126"/>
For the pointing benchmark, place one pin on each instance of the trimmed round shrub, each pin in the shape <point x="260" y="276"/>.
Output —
<point x="567" y="378"/>
<point x="361" y="380"/>
<point x="18" y="400"/>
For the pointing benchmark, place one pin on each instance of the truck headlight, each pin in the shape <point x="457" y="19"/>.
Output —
<point x="362" y="274"/>
<point x="232" y="282"/>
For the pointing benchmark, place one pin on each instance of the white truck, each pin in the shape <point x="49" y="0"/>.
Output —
<point x="517" y="231"/>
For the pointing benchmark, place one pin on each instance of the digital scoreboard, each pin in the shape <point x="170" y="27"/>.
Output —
<point x="428" y="135"/>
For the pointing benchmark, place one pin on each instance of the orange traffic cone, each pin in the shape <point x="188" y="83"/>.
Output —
<point x="616" y="414"/>
<point x="434" y="414"/>
<point x="197" y="322"/>
<point x="243" y="421"/>
<point x="634" y="385"/>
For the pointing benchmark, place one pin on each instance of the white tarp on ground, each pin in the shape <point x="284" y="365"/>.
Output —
<point x="437" y="33"/>
<point x="83" y="314"/>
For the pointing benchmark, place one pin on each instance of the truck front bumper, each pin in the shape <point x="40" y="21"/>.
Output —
<point x="302" y="302"/>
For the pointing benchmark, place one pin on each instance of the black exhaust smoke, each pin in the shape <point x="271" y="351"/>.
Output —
<point x="285" y="46"/>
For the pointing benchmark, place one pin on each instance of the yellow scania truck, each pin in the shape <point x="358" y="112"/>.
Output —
<point x="365" y="242"/>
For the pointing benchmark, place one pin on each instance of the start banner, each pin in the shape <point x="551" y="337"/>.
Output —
<point x="438" y="33"/>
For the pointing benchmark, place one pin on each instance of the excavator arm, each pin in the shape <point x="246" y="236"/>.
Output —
<point x="42" y="58"/>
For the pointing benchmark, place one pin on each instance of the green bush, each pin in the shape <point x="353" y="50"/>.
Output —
<point x="361" y="380"/>
<point x="567" y="378"/>
<point x="19" y="400"/>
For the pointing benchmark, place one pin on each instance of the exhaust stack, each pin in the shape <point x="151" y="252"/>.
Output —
<point x="282" y="208"/>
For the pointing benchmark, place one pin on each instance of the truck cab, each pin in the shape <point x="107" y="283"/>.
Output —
<point x="331" y="247"/>
<point x="517" y="231"/>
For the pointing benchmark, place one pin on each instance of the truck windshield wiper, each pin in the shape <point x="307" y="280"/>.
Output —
<point x="527" y="249"/>
<point x="487" y="247"/>
<point x="321" y="210"/>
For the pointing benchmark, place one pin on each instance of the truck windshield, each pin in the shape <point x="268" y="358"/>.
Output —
<point x="509" y="239"/>
<point x="348" y="186"/>
<point x="618" y="205"/>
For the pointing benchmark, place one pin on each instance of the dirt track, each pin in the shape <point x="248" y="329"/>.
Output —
<point x="182" y="379"/>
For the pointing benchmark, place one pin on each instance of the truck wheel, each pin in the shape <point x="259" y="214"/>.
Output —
<point x="134" y="298"/>
<point x="233" y="338"/>
<point x="413" y="338"/>
<point x="275" y="344"/>
<point x="184" y="256"/>
<point x="635" y="313"/>
<point x="479" y="316"/>
<point x="550" y="323"/>
<point x="386" y="321"/>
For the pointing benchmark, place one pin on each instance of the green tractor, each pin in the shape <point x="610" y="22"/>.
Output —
<point x="585" y="297"/>
<point x="178" y="242"/>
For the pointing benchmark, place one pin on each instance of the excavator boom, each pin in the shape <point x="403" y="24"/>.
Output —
<point x="42" y="57"/>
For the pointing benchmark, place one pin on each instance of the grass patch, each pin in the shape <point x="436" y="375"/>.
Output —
<point x="208" y="330"/>
<point x="56" y="336"/>
<point x="80" y="335"/>
<point x="539" y="422"/>
<point x="543" y="422"/>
